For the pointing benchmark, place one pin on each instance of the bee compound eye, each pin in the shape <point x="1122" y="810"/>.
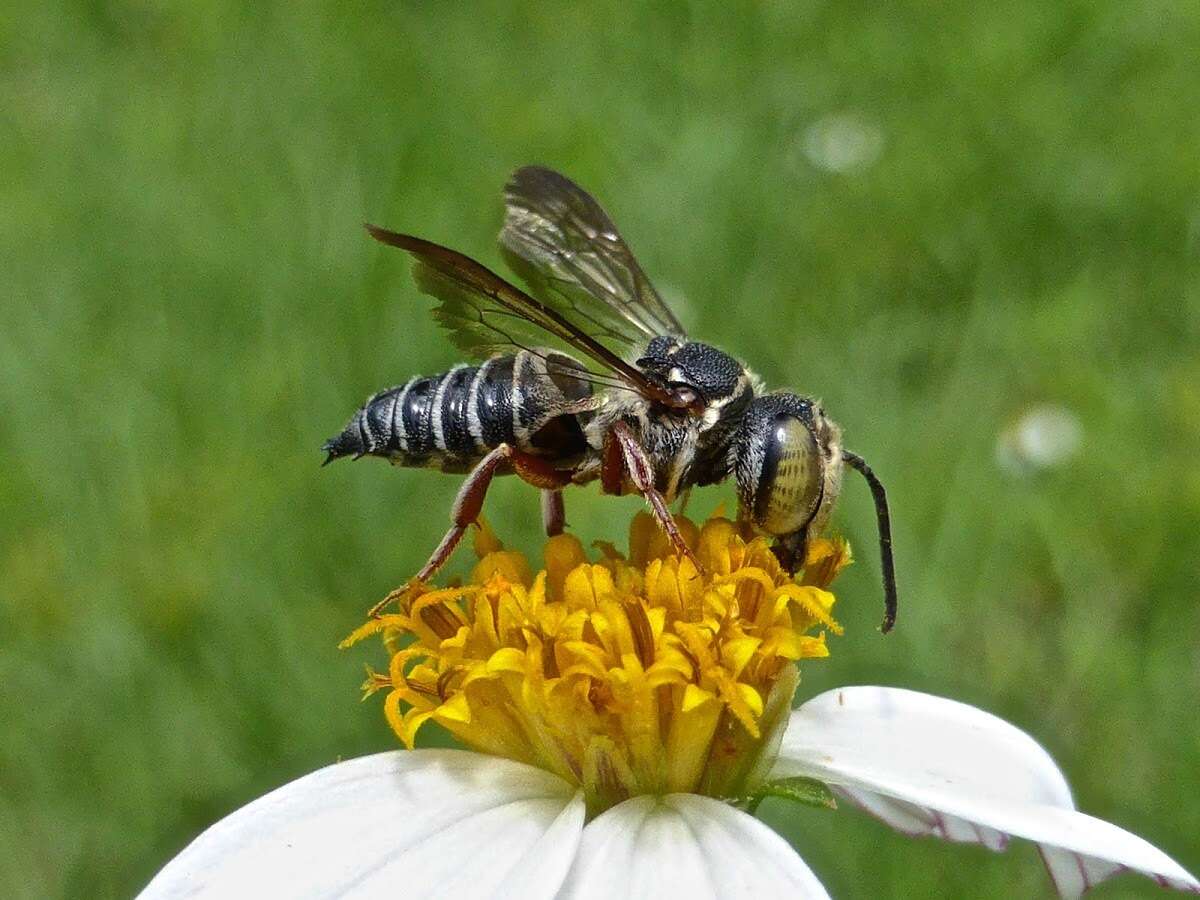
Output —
<point x="789" y="483"/>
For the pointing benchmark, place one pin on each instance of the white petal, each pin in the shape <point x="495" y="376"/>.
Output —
<point x="684" y="845"/>
<point x="930" y="766"/>
<point x="413" y="823"/>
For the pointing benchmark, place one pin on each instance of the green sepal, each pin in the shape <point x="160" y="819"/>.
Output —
<point x="798" y="789"/>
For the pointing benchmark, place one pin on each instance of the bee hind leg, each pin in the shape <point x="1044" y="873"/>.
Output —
<point x="465" y="511"/>
<point x="469" y="502"/>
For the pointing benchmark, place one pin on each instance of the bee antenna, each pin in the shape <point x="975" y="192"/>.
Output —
<point x="859" y="464"/>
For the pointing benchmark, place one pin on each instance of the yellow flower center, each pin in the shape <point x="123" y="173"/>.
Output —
<point x="625" y="676"/>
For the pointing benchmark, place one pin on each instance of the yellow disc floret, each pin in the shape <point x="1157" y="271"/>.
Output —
<point x="625" y="676"/>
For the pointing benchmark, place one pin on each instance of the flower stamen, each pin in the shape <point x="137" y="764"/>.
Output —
<point x="625" y="676"/>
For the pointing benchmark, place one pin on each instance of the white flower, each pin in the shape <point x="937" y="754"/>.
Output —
<point x="454" y="823"/>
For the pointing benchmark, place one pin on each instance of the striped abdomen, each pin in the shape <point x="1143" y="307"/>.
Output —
<point x="449" y="421"/>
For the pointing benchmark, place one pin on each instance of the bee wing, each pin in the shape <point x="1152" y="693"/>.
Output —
<point x="485" y="315"/>
<point x="560" y="240"/>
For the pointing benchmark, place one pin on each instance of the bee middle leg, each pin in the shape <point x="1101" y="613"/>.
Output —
<point x="554" y="514"/>
<point x="624" y="455"/>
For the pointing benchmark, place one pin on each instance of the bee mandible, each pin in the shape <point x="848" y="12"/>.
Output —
<point x="591" y="376"/>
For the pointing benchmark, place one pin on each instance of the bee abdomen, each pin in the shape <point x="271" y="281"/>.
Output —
<point x="490" y="403"/>
<point x="449" y="421"/>
<point x="372" y="428"/>
<point x="443" y="421"/>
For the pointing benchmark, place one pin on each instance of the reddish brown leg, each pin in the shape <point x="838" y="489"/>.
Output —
<point x="463" y="514"/>
<point x="612" y="465"/>
<point x="554" y="515"/>
<point x="539" y="472"/>
<point x="469" y="502"/>
<point x="641" y="472"/>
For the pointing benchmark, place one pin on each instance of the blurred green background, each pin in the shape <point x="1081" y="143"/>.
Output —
<point x="933" y="216"/>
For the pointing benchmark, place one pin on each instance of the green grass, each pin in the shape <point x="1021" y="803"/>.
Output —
<point x="190" y="307"/>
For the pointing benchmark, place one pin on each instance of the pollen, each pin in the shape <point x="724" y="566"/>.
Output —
<point x="624" y="674"/>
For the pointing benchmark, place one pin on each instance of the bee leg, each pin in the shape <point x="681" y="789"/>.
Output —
<point x="465" y="511"/>
<point x="637" y="464"/>
<point x="791" y="550"/>
<point x="554" y="515"/>
<point x="745" y="523"/>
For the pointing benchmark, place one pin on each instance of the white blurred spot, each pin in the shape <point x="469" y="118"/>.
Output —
<point x="1045" y="436"/>
<point x="842" y="141"/>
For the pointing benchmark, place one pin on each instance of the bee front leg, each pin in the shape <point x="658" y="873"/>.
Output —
<point x="624" y="455"/>
<point x="791" y="550"/>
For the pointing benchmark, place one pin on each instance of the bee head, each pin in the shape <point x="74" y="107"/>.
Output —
<point x="788" y="462"/>
<point x="784" y="462"/>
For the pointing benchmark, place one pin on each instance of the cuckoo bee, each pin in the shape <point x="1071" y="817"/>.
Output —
<point x="590" y="376"/>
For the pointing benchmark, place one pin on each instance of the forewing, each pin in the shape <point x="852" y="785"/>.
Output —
<point x="486" y="315"/>
<point x="560" y="240"/>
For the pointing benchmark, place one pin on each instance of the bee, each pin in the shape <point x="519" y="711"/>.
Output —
<point x="590" y="376"/>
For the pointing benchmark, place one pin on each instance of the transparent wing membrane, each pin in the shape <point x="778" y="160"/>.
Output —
<point x="560" y="240"/>
<point x="485" y="315"/>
